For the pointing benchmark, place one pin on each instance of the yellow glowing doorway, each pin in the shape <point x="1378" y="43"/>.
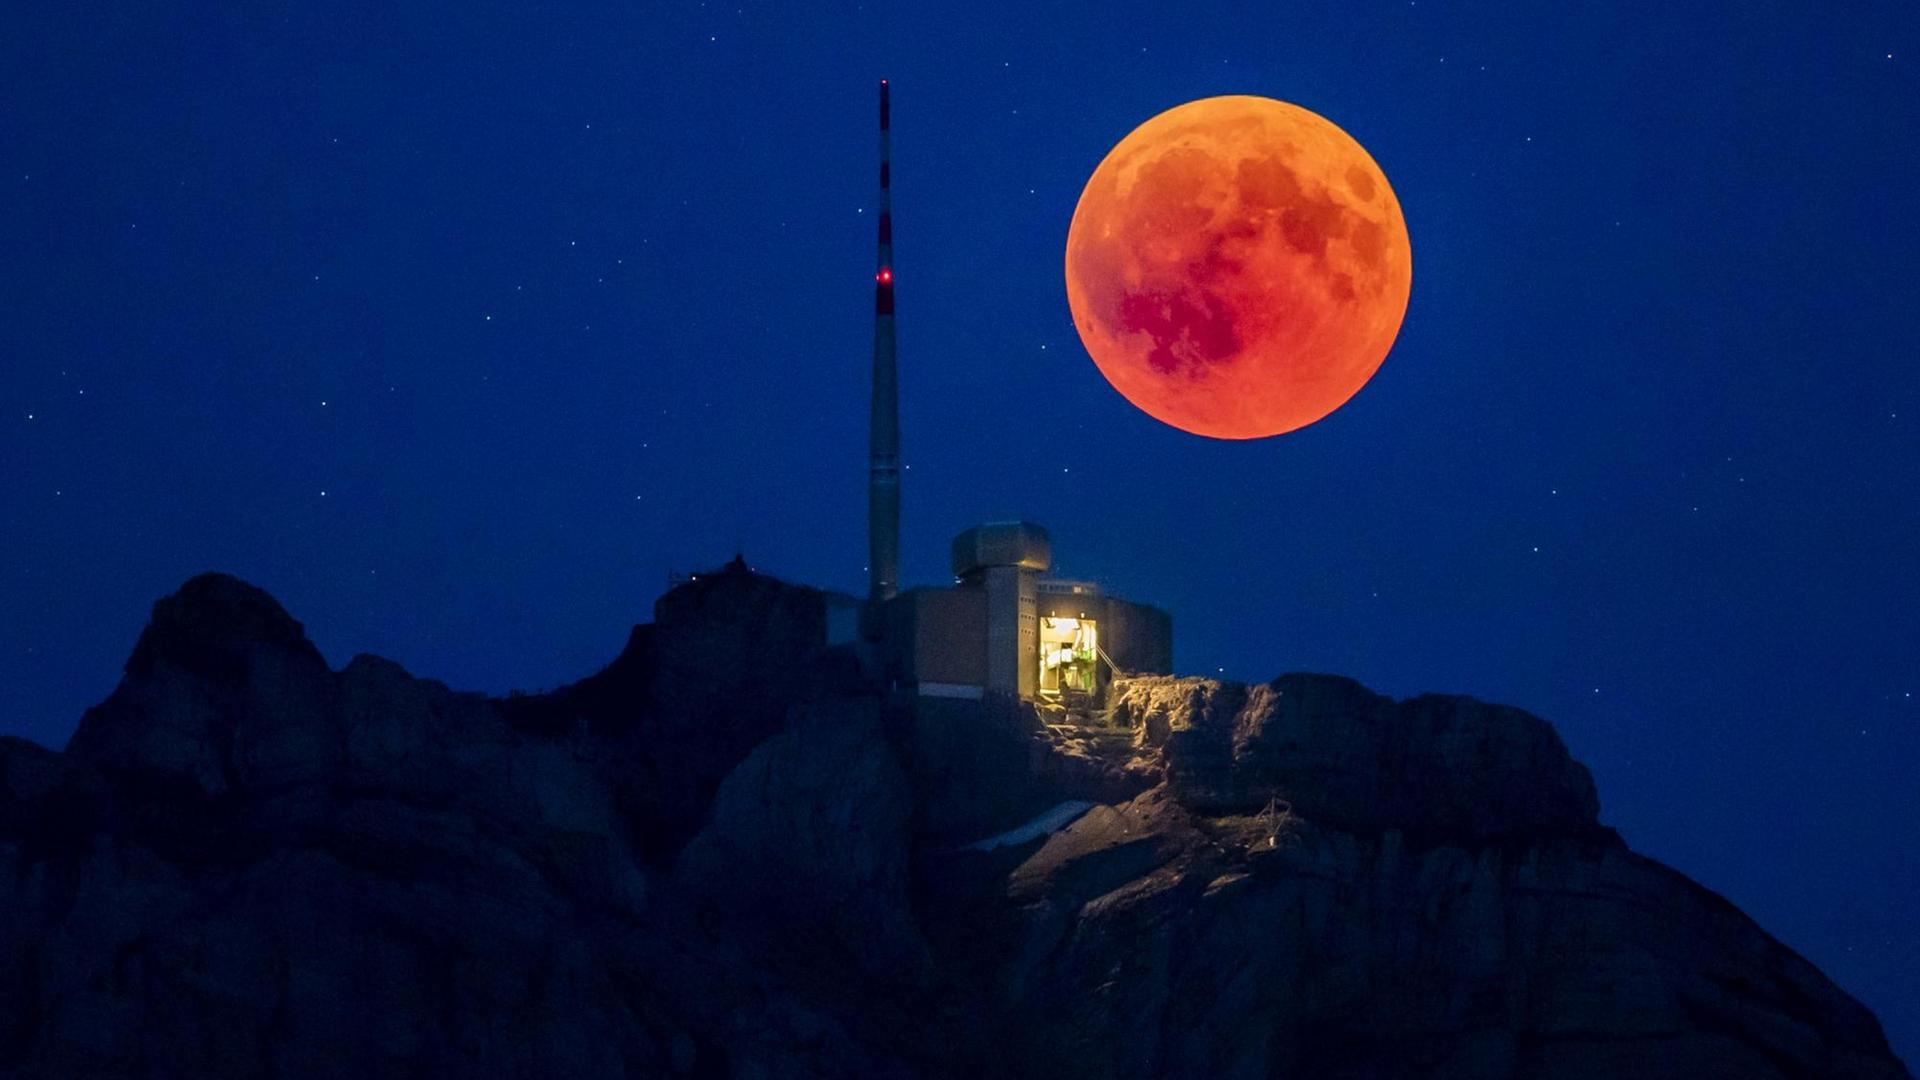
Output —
<point x="1068" y="650"/>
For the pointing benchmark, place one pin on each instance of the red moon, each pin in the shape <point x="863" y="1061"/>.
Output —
<point x="1238" y="267"/>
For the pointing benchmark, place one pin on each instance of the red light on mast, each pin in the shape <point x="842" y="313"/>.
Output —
<point x="885" y="276"/>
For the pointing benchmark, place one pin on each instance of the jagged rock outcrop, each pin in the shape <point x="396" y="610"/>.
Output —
<point x="727" y="655"/>
<point x="1343" y="755"/>
<point x="1154" y="942"/>
<point x="223" y="691"/>
<point x="728" y="854"/>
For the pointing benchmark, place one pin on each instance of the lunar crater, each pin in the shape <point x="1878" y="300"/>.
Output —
<point x="1188" y="335"/>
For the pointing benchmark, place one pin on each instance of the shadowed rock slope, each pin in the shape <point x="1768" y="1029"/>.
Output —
<point x="728" y="855"/>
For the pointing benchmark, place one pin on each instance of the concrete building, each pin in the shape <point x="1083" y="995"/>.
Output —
<point x="1005" y="628"/>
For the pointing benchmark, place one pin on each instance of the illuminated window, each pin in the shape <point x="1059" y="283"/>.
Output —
<point x="1069" y="649"/>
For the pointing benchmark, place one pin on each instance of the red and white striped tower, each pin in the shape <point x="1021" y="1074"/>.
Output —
<point x="883" y="463"/>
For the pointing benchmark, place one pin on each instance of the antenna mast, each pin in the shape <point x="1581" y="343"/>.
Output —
<point x="883" y="463"/>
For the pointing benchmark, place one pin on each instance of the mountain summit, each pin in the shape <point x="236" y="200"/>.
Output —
<point x="729" y="853"/>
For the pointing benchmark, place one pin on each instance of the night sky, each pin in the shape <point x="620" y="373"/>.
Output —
<point x="457" y="329"/>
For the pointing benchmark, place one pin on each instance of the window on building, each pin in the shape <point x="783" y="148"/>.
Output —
<point x="1069" y="648"/>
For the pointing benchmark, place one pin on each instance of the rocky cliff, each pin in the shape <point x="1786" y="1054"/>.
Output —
<point x="727" y="855"/>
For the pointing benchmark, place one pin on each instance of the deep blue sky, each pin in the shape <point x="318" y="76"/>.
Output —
<point x="456" y="328"/>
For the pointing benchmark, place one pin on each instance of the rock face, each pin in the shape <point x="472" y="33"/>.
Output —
<point x="728" y="855"/>
<point x="1442" y="767"/>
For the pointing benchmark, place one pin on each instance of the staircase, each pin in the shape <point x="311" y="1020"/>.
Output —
<point x="1075" y="724"/>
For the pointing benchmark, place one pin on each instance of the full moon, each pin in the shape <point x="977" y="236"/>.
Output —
<point x="1238" y="267"/>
